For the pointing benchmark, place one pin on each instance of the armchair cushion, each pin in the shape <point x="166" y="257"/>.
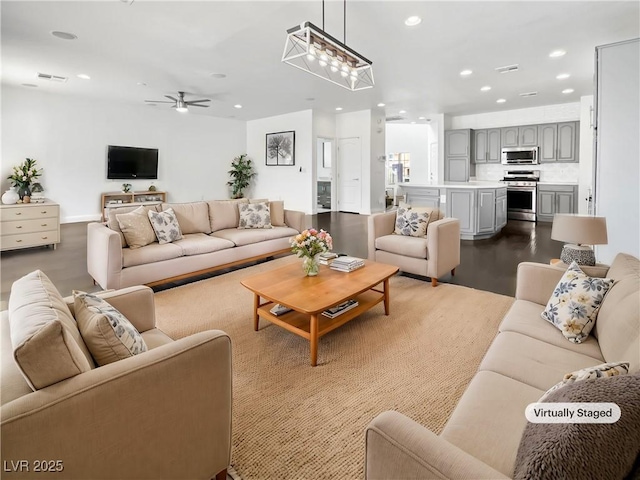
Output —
<point x="415" y="247"/>
<point x="411" y="222"/>
<point x="108" y="334"/>
<point x="47" y="345"/>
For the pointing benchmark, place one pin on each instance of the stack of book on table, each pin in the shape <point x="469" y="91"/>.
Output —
<point x="338" y="310"/>
<point x="326" y="258"/>
<point x="347" y="264"/>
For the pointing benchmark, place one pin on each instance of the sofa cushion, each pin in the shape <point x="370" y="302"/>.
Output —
<point x="276" y="208"/>
<point x="585" y="450"/>
<point x="224" y="213"/>
<point x="112" y="221"/>
<point x="574" y="304"/>
<point x="532" y="361"/>
<point x="589" y="373"/>
<point x="198" y="243"/>
<point x="524" y="317"/>
<point x="246" y="237"/>
<point x="155" y="338"/>
<point x="193" y="217"/>
<point x="136" y="227"/>
<point x="254" y="215"/>
<point x="109" y="335"/>
<point x="165" y="225"/>
<point x="489" y="419"/>
<point x="150" y="254"/>
<point x="14" y="385"/>
<point x="415" y="247"/>
<point x="618" y="325"/>
<point x="47" y="345"/>
<point x="411" y="222"/>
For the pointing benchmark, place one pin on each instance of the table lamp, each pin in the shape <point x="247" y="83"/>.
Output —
<point x="580" y="232"/>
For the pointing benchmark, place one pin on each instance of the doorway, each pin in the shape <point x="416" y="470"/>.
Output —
<point x="324" y="175"/>
<point x="349" y="175"/>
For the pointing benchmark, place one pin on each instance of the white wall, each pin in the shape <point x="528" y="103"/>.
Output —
<point x="414" y="139"/>
<point x="377" y="163"/>
<point x="69" y="138"/>
<point x="294" y="184"/>
<point x="566" y="112"/>
<point x="585" y="176"/>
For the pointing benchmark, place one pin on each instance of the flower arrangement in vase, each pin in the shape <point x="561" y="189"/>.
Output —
<point x="23" y="175"/>
<point x="308" y="245"/>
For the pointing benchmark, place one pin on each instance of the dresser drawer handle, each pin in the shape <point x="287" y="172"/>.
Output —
<point x="44" y="238"/>
<point x="43" y="211"/>
<point x="18" y="226"/>
<point x="18" y="241"/>
<point x="44" y="225"/>
<point x="18" y="213"/>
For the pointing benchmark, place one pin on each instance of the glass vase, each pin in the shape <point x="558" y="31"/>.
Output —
<point x="310" y="266"/>
<point x="24" y="191"/>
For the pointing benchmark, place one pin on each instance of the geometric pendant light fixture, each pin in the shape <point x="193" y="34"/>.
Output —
<point x="313" y="50"/>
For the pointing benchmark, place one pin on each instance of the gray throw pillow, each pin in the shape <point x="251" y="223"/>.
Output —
<point x="165" y="225"/>
<point x="585" y="450"/>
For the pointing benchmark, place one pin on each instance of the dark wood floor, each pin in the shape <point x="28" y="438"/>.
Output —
<point x="486" y="264"/>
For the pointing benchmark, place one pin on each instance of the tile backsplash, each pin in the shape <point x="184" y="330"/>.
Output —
<point x="549" y="172"/>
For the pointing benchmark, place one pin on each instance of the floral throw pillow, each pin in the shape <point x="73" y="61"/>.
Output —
<point x="109" y="335"/>
<point x="254" y="215"/>
<point x="411" y="222"/>
<point x="599" y="371"/>
<point x="166" y="225"/>
<point x="574" y="304"/>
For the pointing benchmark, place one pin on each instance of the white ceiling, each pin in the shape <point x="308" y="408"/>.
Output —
<point x="174" y="46"/>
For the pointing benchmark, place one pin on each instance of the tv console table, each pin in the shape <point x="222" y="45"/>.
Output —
<point x="121" y="199"/>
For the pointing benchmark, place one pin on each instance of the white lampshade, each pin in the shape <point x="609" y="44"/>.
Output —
<point x="579" y="229"/>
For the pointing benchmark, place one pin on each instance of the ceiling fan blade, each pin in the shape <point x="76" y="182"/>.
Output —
<point x="190" y="102"/>
<point x="158" y="101"/>
<point x="196" y="105"/>
<point x="172" y="98"/>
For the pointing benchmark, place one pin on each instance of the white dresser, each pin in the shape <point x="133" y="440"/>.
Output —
<point x="26" y="225"/>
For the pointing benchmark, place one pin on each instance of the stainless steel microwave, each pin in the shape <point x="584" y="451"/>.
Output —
<point x="520" y="156"/>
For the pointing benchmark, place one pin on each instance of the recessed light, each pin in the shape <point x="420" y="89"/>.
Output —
<point x="29" y="85"/>
<point x="338" y="109"/>
<point x="557" y="53"/>
<point x="500" y="100"/>
<point x="464" y="73"/>
<point x="486" y="88"/>
<point x="237" y="105"/>
<point x="381" y="104"/>
<point x="568" y="90"/>
<point x="402" y="111"/>
<point x="83" y="76"/>
<point x="412" y="21"/>
<point x="218" y="75"/>
<point x="64" y="35"/>
<point x="422" y="118"/>
<point x="141" y="84"/>
<point x="562" y="76"/>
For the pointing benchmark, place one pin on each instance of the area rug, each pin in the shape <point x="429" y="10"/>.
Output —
<point x="294" y="421"/>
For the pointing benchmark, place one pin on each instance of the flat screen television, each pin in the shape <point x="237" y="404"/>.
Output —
<point x="126" y="163"/>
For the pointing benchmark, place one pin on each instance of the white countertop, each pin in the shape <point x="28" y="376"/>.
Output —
<point x="475" y="184"/>
<point x="558" y="183"/>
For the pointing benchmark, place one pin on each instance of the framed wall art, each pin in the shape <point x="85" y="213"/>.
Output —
<point x="281" y="148"/>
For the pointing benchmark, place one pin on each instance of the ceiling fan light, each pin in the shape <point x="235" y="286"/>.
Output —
<point x="182" y="109"/>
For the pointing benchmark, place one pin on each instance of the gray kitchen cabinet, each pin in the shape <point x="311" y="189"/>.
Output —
<point x="423" y="196"/>
<point x="458" y="150"/>
<point x="558" y="142"/>
<point x="501" y="208"/>
<point x="487" y="146"/>
<point x="554" y="199"/>
<point x="486" y="211"/>
<point x="461" y="205"/>
<point x="523" y="136"/>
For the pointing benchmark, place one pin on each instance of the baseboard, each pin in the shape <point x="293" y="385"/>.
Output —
<point x="81" y="218"/>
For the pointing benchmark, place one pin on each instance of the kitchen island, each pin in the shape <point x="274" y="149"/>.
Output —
<point x="480" y="206"/>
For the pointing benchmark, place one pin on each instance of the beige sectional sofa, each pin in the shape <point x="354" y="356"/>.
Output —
<point x="211" y="240"/>
<point x="138" y="417"/>
<point x="528" y="356"/>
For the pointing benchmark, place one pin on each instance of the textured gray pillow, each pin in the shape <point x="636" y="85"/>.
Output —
<point x="585" y="450"/>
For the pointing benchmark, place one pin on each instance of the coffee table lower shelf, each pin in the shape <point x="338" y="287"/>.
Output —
<point x="302" y="323"/>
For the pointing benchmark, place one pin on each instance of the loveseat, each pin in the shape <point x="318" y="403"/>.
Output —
<point x="161" y="414"/>
<point x="211" y="240"/>
<point x="433" y="255"/>
<point x="528" y="356"/>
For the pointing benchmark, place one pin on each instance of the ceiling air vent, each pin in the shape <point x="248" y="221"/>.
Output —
<point x="529" y="94"/>
<point x="508" y="68"/>
<point x="52" y="78"/>
<point x="395" y="118"/>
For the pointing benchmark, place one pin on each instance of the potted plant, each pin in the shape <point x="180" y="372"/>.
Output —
<point x="23" y="175"/>
<point x="241" y="174"/>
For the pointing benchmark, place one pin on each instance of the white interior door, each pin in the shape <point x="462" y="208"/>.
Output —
<point x="349" y="175"/>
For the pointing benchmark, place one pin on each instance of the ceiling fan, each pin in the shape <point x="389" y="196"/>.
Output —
<point x="180" y="104"/>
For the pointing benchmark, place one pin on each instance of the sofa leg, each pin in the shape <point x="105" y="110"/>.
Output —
<point x="434" y="282"/>
<point x="453" y="272"/>
<point x="222" y="475"/>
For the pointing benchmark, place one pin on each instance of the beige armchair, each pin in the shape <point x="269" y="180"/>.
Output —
<point x="432" y="256"/>
<point x="162" y="414"/>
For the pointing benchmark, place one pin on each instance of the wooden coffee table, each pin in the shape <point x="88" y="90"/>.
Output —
<point x="308" y="297"/>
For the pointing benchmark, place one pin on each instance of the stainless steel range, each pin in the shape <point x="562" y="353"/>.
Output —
<point x="522" y="193"/>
